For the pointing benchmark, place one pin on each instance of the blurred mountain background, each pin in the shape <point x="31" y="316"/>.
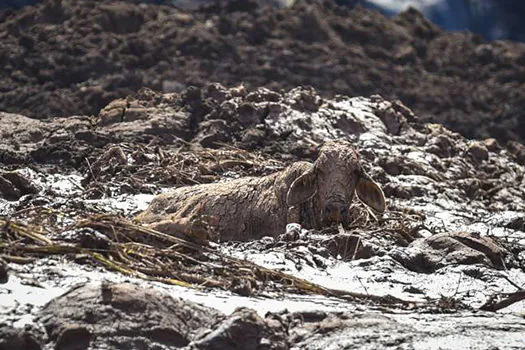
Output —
<point x="493" y="19"/>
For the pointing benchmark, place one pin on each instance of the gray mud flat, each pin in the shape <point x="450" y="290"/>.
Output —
<point x="451" y="244"/>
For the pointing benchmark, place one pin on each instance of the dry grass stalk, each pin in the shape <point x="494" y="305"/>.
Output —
<point x="180" y="262"/>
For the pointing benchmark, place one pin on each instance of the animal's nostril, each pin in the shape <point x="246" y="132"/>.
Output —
<point x="336" y="212"/>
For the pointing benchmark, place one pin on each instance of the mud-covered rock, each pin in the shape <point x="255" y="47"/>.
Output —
<point x="517" y="150"/>
<point x="442" y="249"/>
<point x="243" y="329"/>
<point x="319" y="330"/>
<point x="14" y="185"/>
<point x="478" y="151"/>
<point x="125" y="315"/>
<point x="394" y="114"/>
<point x="348" y="247"/>
<point x="73" y="337"/>
<point x="18" y="339"/>
<point x="150" y="114"/>
<point x="63" y="139"/>
<point x="492" y="144"/>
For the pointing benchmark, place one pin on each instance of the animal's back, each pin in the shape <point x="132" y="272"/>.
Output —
<point x="246" y="208"/>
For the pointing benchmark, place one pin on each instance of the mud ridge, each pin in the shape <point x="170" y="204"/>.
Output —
<point x="63" y="57"/>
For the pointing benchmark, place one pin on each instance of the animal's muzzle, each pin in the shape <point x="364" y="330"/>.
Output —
<point x="336" y="212"/>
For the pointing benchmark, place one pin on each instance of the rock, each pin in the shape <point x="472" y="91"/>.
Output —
<point x="517" y="223"/>
<point x="92" y="315"/>
<point x="23" y="139"/>
<point x="14" y="185"/>
<point x="348" y="247"/>
<point x="304" y="99"/>
<point x="113" y="112"/>
<point x="442" y="144"/>
<point x="213" y="131"/>
<point x="293" y="232"/>
<point x="17" y="339"/>
<point x="250" y="115"/>
<point x="243" y="329"/>
<point x="73" y="337"/>
<point x="319" y="330"/>
<point x="442" y="249"/>
<point x="478" y="151"/>
<point x="241" y="286"/>
<point x="393" y="114"/>
<point x="492" y="144"/>
<point x="517" y="150"/>
<point x="8" y="190"/>
<point x="263" y="95"/>
<point x="147" y="114"/>
<point x="124" y="315"/>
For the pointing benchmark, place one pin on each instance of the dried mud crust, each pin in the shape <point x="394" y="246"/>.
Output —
<point x="63" y="58"/>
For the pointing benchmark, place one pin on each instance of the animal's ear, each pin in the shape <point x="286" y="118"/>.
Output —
<point x="370" y="193"/>
<point x="302" y="189"/>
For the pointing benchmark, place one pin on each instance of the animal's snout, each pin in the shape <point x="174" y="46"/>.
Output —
<point x="336" y="212"/>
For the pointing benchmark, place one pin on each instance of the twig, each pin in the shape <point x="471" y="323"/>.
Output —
<point x="22" y="260"/>
<point x="91" y="170"/>
<point x="505" y="299"/>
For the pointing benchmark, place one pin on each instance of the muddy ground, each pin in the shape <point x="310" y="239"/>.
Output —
<point x="443" y="267"/>
<point x="65" y="57"/>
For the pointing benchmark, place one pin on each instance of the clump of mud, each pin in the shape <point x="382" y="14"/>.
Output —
<point x="64" y="57"/>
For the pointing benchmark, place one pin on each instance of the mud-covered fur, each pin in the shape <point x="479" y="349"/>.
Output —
<point x="314" y="195"/>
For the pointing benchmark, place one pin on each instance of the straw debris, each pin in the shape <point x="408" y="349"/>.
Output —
<point x="138" y="251"/>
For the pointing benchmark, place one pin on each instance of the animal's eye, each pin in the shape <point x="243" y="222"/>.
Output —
<point x="355" y="174"/>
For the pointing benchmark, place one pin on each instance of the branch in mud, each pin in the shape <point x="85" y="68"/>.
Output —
<point x="501" y="301"/>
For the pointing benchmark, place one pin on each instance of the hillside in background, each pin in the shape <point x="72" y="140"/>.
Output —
<point x="69" y="57"/>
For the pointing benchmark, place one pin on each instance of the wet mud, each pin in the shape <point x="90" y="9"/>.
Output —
<point x="444" y="265"/>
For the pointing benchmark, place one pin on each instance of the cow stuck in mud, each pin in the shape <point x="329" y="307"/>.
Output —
<point x="315" y="195"/>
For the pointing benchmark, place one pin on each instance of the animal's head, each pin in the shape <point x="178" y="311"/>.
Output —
<point x="332" y="181"/>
